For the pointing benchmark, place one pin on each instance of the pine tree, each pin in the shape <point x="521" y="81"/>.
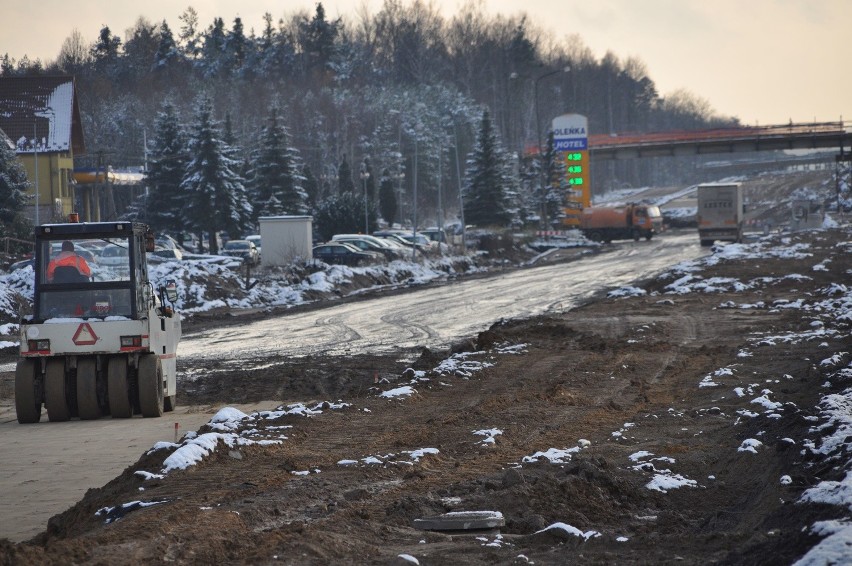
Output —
<point x="166" y="200"/>
<point x="13" y="186"/>
<point x="317" y="38"/>
<point x="486" y="194"/>
<point x="344" y="177"/>
<point x="555" y="186"/>
<point x="236" y="47"/>
<point x="276" y="184"/>
<point x="210" y="180"/>
<point x="106" y="49"/>
<point x="342" y="214"/>
<point x="212" y="52"/>
<point x="311" y="187"/>
<point x="189" y="36"/>
<point x="167" y="52"/>
<point x="241" y="193"/>
<point x="106" y="54"/>
<point x="387" y="198"/>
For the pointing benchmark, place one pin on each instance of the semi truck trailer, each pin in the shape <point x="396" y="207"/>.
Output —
<point x="720" y="213"/>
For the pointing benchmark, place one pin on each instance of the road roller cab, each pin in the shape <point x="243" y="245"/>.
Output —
<point x="100" y="340"/>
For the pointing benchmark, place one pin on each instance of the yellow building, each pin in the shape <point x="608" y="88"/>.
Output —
<point x="41" y="117"/>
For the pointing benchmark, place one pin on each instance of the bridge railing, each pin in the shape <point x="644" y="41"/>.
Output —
<point x="741" y="133"/>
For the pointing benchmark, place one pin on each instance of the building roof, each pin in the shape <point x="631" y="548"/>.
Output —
<point x="41" y="109"/>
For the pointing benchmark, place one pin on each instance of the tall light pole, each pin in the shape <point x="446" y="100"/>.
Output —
<point x="414" y="216"/>
<point x="459" y="179"/>
<point x="35" y="155"/>
<point x="399" y="176"/>
<point x="364" y="176"/>
<point x="540" y="148"/>
<point x="328" y="177"/>
<point x="440" y="179"/>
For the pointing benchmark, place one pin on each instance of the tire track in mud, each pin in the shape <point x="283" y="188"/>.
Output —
<point x="414" y="332"/>
<point x="342" y="335"/>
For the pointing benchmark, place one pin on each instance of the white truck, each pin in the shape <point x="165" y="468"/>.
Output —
<point x="720" y="213"/>
<point x="100" y="339"/>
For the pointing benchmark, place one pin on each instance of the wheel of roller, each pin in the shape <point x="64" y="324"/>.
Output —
<point x="118" y="388"/>
<point x="55" y="394"/>
<point x="27" y="399"/>
<point x="150" y="386"/>
<point x="87" y="389"/>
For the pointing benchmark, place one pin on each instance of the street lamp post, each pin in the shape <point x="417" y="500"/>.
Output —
<point x="399" y="176"/>
<point x="440" y="179"/>
<point x="540" y="145"/>
<point x="35" y="154"/>
<point x="414" y="216"/>
<point x="364" y="176"/>
<point x="461" y="191"/>
<point x="329" y="178"/>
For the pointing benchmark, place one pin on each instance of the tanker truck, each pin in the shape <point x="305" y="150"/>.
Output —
<point x="605" y="224"/>
<point x="101" y="340"/>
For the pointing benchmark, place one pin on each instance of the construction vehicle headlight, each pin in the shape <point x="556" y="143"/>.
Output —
<point x="39" y="345"/>
<point x="131" y="341"/>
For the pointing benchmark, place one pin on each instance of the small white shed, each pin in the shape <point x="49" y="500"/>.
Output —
<point x="285" y="238"/>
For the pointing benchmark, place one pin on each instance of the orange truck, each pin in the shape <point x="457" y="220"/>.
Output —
<point x="605" y="224"/>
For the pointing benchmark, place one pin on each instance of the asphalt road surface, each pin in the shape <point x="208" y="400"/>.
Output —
<point x="46" y="467"/>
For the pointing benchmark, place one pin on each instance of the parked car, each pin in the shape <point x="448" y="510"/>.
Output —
<point x="345" y="254"/>
<point x="370" y="243"/>
<point x="242" y="249"/>
<point x="438" y="236"/>
<point x="166" y="242"/>
<point x="435" y="234"/>
<point x="423" y="244"/>
<point x="368" y="246"/>
<point x="255" y="239"/>
<point x="21" y="264"/>
<point x="114" y="260"/>
<point x="113" y="255"/>
<point x="161" y="254"/>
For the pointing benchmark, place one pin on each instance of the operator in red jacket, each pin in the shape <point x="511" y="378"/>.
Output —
<point x="68" y="258"/>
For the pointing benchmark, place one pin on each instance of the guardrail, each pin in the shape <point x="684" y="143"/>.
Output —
<point x="7" y="239"/>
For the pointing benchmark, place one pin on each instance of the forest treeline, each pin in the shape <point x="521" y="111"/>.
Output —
<point x="404" y="87"/>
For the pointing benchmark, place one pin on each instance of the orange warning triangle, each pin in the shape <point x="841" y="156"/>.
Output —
<point x="84" y="336"/>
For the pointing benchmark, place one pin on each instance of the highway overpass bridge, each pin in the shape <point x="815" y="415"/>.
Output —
<point x="821" y="135"/>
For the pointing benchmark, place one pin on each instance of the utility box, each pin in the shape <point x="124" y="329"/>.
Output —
<point x="285" y="239"/>
<point x="807" y="215"/>
<point x="720" y="213"/>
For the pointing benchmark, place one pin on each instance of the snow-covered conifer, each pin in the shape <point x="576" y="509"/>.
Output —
<point x="166" y="200"/>
<point x="487" y="184"/>
<point x="276" y="185"/>
<point x="210" y="180"/>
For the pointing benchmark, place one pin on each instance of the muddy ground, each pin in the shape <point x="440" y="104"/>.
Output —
<point x="579" y="378"/>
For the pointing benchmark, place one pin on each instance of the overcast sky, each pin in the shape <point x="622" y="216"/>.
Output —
<point x="763" y="61"/>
